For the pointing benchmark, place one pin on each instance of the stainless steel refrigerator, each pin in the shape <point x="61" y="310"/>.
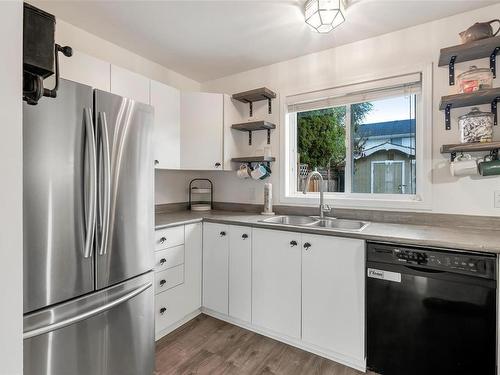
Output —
<point x="88" y="234"/>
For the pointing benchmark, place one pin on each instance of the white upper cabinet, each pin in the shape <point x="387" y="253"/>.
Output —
<point x="85" y="69"/>
<point x="276" y="281"/>
<point x="202" y="127"/>
<point x="215" y="267"/>
<point x="167" y="131"/>
<point x="129" y="84"/>
<point x="240" y="273"/>
<point x="333" y="295"/>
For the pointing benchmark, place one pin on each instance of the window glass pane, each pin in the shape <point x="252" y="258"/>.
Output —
<point x="321" y="144"/>
<point x="383" y="146"/>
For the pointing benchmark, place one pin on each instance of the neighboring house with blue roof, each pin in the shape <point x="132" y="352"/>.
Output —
<point x="385" y="162"/>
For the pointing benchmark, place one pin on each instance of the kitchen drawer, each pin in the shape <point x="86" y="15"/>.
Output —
<point x="167" y="279"/>
<point x="169" y="258"/>
<point x="169" y="237"/>
<point x="169" y="307"/>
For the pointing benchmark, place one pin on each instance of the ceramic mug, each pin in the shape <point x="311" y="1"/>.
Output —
<point x="268" y="172"/>
<point x="244" y="171"/>
<point x="258" y="172"/>
<point x="464" y="165"/>
<point x="489" y="167"/>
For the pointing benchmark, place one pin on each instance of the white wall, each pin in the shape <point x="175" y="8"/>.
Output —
<point x="357" y="61"/>
<point x="11" y="169"/>
<point x="83" y="41"/>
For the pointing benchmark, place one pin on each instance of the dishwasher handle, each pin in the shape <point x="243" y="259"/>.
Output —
<point x="424" y="270"/>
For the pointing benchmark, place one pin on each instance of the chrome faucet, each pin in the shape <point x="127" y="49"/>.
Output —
<point x="322" y="206"/>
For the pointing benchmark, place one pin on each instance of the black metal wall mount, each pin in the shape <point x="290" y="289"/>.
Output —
<point x="486" y="96"/>
<point x="451" y="70"/>
<point x="255" y="126"/>
<point x="493" y="61"/>
<point x="484" y="48"/>
<point x="256" y="95"/>
<point x="460" y="148"/>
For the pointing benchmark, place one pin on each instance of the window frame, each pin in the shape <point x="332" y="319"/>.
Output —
<point x="422" y="200"/>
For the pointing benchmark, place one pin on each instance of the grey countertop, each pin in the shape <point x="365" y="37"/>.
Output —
<point x="453" y="238"/>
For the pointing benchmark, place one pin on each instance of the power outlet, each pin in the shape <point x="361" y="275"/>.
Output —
<point x="497" y="199"/>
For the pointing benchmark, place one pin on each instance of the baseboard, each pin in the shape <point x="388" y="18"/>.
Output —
<point x="177" y="324"/>
<point x="333" y="356"/>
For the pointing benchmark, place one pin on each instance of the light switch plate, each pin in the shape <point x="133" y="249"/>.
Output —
<point x="497" y="199"/>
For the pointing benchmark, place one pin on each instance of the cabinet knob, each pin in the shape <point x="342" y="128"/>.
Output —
<point x="157" y="162"/>
<point x="244" y="236"/>
<point x="217" y="165"/>
<point x="307" y="245"/>
<point x="293" y="243"/>
<point x="162" y="240"/>
<point x="162" y="282"/>
<point x="163" y="310"/>
<point x="162" y="261"/>
<point x="222" y="234"/>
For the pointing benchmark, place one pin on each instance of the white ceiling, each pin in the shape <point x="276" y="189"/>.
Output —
<point x="205" y="40"/>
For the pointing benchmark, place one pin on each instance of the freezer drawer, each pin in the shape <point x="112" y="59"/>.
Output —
<point x="108" y="332"/>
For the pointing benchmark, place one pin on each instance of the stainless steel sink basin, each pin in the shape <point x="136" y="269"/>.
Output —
<point x="351" y="225"/>
<point x="316" y="222"/>
<point x="291" y="220"/>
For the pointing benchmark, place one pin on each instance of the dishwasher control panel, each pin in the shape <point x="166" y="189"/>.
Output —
<point x="441" y="260"/>
<point x="445" y="260"/>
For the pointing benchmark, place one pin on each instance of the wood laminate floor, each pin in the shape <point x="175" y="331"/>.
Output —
<point x="210" y="346"/>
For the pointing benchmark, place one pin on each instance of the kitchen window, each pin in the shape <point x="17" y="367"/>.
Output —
<point x="367" y="140"/>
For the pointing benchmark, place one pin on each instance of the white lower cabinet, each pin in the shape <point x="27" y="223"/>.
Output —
<point x="307" y="290"/>
<point x="178" y="277"/>
<point x="276" y="281"/>
<point x="193" y="264"/>
<point x="333" y="295"/>
<point x="216" y="267"/>
<point x="240" y="273"/>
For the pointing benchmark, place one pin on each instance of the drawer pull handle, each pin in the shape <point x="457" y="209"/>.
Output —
<point x="163" y="240"/>
<point x="293" y="243"/>
<point x="307" y="245"/>
<point x="162" y="283"/>
<point x="157" y="162"/>
<point x="163" y="310"/>
<point x="217" y="165"/>
<point x="245" y="236"/>
<point x="222" y="234"/>
<point x="162" y="261"/>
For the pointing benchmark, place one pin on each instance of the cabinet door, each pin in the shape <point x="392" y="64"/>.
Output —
<point x="202" y="117"/>
<point x="215" y="267"/>
<point x="86" y="69"/>
<point x="167" y="137"/>
<point x="129" y="84"/>
<point x="240" y="273"/>
<point x="276" y="262"/>
<point x="193" y="266"/>
<point x="333" y="294"/>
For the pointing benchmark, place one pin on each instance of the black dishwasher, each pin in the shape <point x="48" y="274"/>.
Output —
<point x="430" y="311"/>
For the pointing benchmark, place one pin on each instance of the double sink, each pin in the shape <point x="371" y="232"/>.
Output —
<point x="317" y="222"/>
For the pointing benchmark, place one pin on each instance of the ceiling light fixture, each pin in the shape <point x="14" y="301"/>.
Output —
<point x="324" y="15"/>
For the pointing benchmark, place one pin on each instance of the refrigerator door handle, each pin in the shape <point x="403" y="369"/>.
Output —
<point x="92" y="199"/>
<point x="88" y="314"/>
<point x="105" y="185"/>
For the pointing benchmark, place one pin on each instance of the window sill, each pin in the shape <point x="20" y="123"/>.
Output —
<point x="360" y="201"/>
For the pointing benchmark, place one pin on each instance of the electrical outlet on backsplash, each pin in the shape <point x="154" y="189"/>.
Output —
<point x="497" y="199"/>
